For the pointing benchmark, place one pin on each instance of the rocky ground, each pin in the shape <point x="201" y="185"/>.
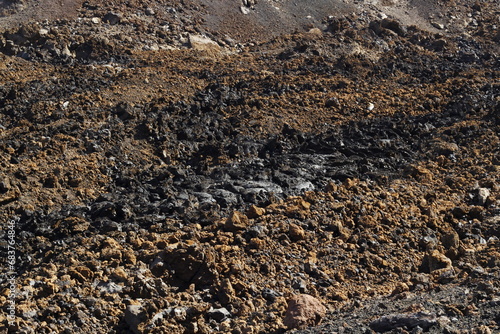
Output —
<point x="191" y="166"/>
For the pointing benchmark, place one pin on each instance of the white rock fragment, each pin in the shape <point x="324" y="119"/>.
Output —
<point x="482" y="195"/>
<point x="245" y="10"/>
<point x="202" y="43"/>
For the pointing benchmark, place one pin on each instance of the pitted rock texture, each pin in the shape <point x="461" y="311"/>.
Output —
<point x="303" y="311"/>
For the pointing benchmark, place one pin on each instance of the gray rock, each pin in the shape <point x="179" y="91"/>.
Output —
<point x="413" y="320"/>
<point x="270" y="295"/>
<point x="257" y="231"/>
<point x="134" y="316"/>
<point x="110" y="287"/>
<point x="434" y="261"/>
<point x="394" y="25"/>
<point x="482" y="195"/>
<point x="332" y="102"/>
<point x="224" y="197"/>
<point x="261" y="186"/>
<point x="219" y="314"/>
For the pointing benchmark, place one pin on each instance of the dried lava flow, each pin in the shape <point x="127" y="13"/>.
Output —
<point x="158" y="188"/>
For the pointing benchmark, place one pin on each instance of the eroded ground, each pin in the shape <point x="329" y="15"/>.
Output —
<point x="161" y="182"/>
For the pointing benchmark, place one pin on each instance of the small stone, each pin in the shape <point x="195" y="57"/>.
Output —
<point x="245" y="10"/>
<point x="270" y="295"/>
<point x="219" y="314"/>
<point x="47" y="288"/>
<point x="445" y="148"/>
<point x="332" y="102"/>
<point x="340" y="296"/>
<point x="420" y="173"/>
<point x="110" y="253"/>
<point x="129" y="256"/>
<point x="315" y="31"/>
<point x="438" y="45"/>
<point x="482" y="195"/>
<point x="134" y="316"/>
<point x="150" y="11"/>
<point x="481" y="330"/>
<point x="257" y="231"/>
<point x="112" y="18"/>
<point x="450" y="240"/>
<point x="66" y="52"/>
<point x="331" y="187"/>
<point x="400" y="288"/>
<point x="255" y="212"/>
<point x="237" y="221"/>
<point x="303" y="311"/>
<point x="296" y="232"/>
<point x="437" y="25"/>
<point x="304" y="205"/>
<point x="435" y="261"/>
<point x="120" y="274"/>
<point x="257" y="243"/>
<point x="110" y="287"/>
<point x="226" y="292"/>
<point x="413" y="320"/>
<point x="160" y="316"/>
<point x="5" y="185"/>
<point x="370" y="107"/>
<point x="81" y="273"/>
<point x="95" y="20"/>
<point x="393" y="25"/>
<point x="300" y="285"/>
<point x="179" y="314"/>
<point x="497" y="37"/>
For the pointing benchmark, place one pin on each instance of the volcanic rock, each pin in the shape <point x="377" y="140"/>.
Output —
<point x="112" y="18"/>
<point x="173" y="155"/>
<point x="219" y="314"/>
<point x="202" y="43"/>
<point x="237" y="221"/>
<point x="134" y="317"/>
<point x="435" y="261"/>
<point x="303" y="311"/>
<point x="410" y="321"/>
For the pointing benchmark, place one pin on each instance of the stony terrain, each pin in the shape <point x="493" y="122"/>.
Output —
<point x="189" y="166"/>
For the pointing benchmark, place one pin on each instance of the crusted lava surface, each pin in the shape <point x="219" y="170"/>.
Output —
<point x="188" y="166"/>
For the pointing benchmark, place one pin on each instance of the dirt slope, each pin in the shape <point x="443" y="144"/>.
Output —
<point x="187" y="167"/>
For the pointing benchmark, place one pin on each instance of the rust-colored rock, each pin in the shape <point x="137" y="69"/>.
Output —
<point x="303" y="311"/>
<point x="237" y="221"/>
<point x="296" y="232"/>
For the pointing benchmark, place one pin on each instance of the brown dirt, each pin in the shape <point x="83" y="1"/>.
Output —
<point x="159" y="185"/>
